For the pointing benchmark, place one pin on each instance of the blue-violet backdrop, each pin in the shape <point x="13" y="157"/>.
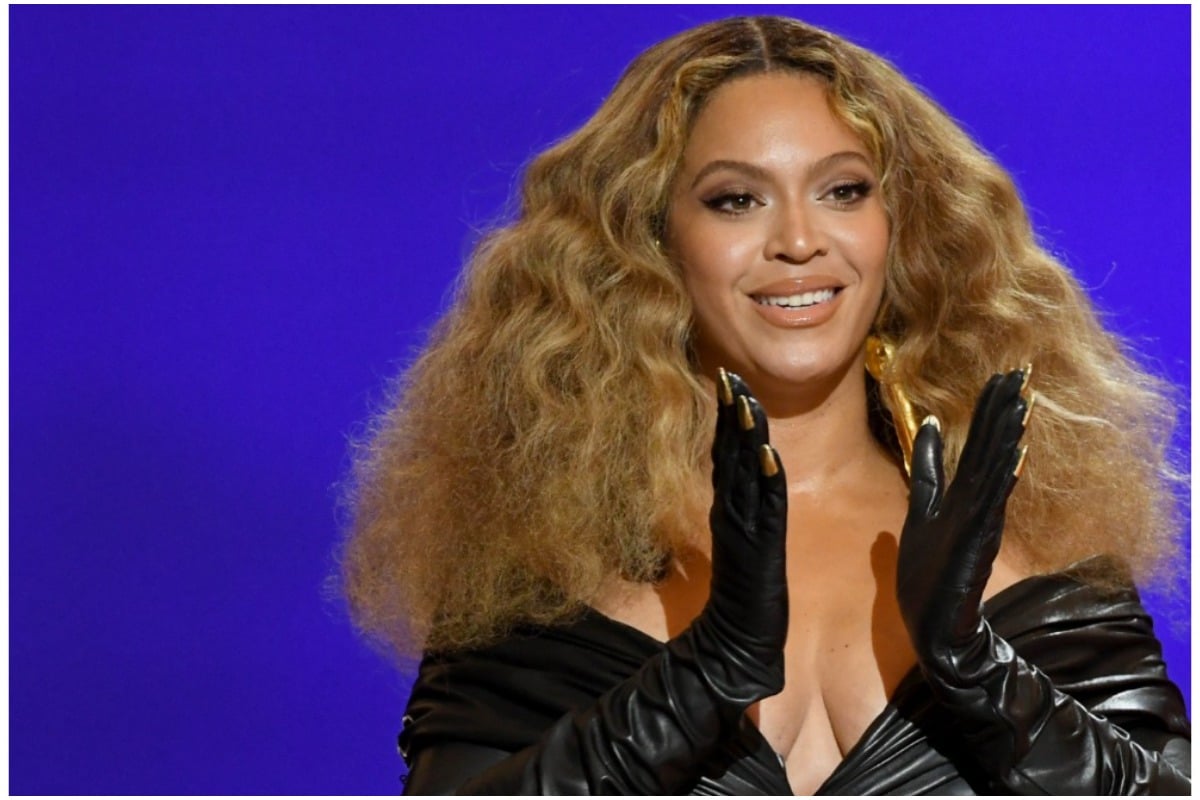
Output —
<point x="230" y="226"/>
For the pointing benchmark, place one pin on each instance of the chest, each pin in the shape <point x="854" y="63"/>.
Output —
<point x="847" y="650"/>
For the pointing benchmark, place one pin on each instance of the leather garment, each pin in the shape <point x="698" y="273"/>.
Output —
<point x="471" y="711"/>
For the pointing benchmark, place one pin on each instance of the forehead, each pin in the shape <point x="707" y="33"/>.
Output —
<point x="768" y="116"/>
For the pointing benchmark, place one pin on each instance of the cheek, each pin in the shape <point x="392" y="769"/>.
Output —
<point x="705" y="288"/>
<point x="709" y="281"/>
<point x="712" y="276"/>
<point x="866" y="246"/>
<point x="713" y="254"/>
<point x="699" y="258"/>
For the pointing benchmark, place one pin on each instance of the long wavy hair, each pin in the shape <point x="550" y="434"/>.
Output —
<point x="553" y="434"/>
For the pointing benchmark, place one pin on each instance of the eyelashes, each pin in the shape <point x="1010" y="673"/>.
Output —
<point x="850" y="192"/>
<point x="732" y="203"/>
<point x="842" y="195"/>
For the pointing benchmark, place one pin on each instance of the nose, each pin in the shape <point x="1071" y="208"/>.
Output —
<point x="795" y="236"/>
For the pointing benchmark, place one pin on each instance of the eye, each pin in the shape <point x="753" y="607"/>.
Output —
<point x="732" y="203"/>
<point x="849" y="192"/>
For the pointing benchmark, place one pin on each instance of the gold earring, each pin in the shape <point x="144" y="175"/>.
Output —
<point x="904" y="419"/>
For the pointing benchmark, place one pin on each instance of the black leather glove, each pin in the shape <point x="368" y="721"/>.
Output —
<point x="655" y="732"/>
<point x="1027" y="736"/>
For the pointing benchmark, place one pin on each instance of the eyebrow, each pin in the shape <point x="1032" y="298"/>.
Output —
<point x="755" y="171"/>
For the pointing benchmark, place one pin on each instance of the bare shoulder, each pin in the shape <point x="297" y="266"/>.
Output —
<point x="662" y="610"/>
<point x="634" y="604"/>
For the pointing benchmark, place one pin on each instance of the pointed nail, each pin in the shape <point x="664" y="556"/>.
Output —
<point x="767" y="457"/>
<point x="744" y="413"/>
<point x="1033" y="396"/>
<point x="1027" y="372"/>
<point x="723" y="387"/>
<point x="932" y="420"/>
<point x="1021" y="462"/>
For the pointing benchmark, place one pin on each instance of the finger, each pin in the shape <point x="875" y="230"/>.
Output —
<point x="764" y="499"/>
<point x="724" y="388"/>
<point x="1004" y="454"/>
<point x="746" y="426"/>
<point x="724" y="448"/>
<point x="984" y="551"/>
<point x="1011" y="387"/>
<point x="771" y="529"/>
<point x="753" y="436"/>
<point x="928" y="478"/>
<point x="736" y="384"/>
<point x="772" y="494"/>
<point x="1009" y="408"/>
<point x="751" y="419"/>
<point x="993" y="492"/>
<point x="969" y="459"/>
<point x="988" y="424"/>
<point x="1020" y="465"/>
<point x="1000" y="485"/>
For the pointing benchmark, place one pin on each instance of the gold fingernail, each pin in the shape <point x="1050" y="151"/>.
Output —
<point x="1033" y="396"/>
<point x="744" y="413"/>
<point x="934" y="421"/>
<point x="1021" y="462"/>
<point x="725" y="389"/>
<point x="1028" y="371"/>
<point x="766" y="455"/>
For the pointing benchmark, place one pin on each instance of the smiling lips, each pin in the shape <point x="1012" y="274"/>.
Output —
<point x="798" y="300"/>
<point x="798" y="303"/>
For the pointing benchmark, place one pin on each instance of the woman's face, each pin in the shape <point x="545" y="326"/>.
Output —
<point x="778" y="226"/>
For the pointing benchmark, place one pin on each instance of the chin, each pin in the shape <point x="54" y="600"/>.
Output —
<point x="776" y="372"/>
<point x="800" y="378"/>
<point x="791" y="377"/>
<point x="810" y="364"/>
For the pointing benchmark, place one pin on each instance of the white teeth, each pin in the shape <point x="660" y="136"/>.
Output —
<point x="798" y="300"/>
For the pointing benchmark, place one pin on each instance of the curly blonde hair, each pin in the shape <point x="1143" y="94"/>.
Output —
<point x="553" y="434"/>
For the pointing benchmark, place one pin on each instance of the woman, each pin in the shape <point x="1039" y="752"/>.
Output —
<point x="760" y="199"/>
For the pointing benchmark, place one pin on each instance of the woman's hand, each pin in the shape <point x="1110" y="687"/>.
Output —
<point x="951" y="536"/>
<point x="657" y="731"/>
<point x="1028" y="737"/>
<point x="747" y="609"/>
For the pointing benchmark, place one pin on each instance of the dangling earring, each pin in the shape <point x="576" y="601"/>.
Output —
<point x="904" y="419"/>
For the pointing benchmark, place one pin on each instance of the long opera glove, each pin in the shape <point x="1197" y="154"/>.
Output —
<point x="657" y="731"/>
<point x="1028" y="737"/>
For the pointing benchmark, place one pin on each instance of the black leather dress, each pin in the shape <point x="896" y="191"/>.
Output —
<point x="470" y="711"/>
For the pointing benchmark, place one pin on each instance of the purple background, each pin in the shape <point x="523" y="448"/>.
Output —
<point x="230" y="226"/>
